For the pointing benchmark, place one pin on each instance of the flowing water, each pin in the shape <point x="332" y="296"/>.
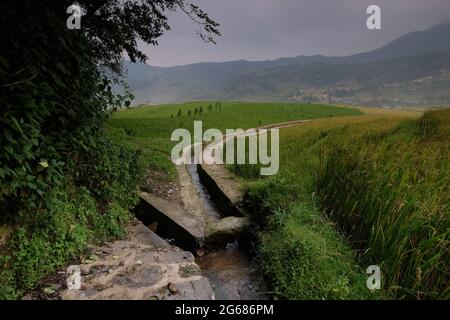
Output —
<point x="231" y="274"/>
<point x="229" y="269"/>
<point x="207" y="201"/>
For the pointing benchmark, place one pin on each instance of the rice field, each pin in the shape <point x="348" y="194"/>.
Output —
<point x="382" y="183"/>
<point x="389" y="190"/>
<point x="148" y="128"/>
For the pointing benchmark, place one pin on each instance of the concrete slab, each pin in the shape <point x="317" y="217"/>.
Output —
<point x="171" y="221"/>
<point x="138" y="232"/>
<point x="227" y="230"/>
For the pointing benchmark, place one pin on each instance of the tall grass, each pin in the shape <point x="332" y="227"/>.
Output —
<point x="302" y="253"/>
<point x="380" y="184"/>
<point x="389" y="190"/>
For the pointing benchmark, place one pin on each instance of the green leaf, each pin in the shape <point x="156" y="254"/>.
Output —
<point x="44" y="164"/>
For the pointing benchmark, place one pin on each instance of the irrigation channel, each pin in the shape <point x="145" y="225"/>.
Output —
<point x="214" y="228"/>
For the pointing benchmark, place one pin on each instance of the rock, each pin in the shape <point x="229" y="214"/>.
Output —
<point x="174" y="221"/>
<point x="227" y="229"/>
<point x="73" y="282"/>
<point x="199" y="289"/>
<point x="140" y="233"/>
<point x="172" y="288"/>
<point x="136" y="270"/>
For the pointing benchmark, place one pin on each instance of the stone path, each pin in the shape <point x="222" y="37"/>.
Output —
<point x="142" y="267"/>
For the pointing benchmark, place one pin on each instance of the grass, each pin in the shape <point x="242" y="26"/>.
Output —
<point x="302" y="252"/>
<point x="148" y="128"/>
<point x="390" y="192"/>
<point x="378" y="185"/>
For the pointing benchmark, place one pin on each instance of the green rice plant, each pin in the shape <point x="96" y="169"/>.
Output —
<point x="389" y="191"/>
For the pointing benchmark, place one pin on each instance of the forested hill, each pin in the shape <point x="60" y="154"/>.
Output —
<point x="412" y="70"/>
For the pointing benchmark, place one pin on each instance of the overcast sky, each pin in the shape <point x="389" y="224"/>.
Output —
<point x="269" y="29"/>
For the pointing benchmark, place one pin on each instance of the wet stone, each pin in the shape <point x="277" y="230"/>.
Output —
<point x="147" y="276"/>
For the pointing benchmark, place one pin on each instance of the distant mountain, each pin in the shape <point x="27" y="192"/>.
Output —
<point x="433" y="40"/>
<point x="412" y="70"/>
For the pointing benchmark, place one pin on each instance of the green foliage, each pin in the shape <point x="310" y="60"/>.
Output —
<point x="306" y="259"/>
<point x="54" y="100"/>
<point x="7" y="280"/>
<point x="92" y="205"/>
<point x="109" y="171"/>
<point x="62" y="184"/>
<point x="435" y="124"/>
<point x="301" y="252"/>
<point x="57" y="232"/>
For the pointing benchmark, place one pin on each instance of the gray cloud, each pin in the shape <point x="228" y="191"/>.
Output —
<point x="269" y="29"/>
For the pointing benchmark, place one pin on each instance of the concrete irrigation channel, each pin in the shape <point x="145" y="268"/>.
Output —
<point x="213" y="235"/>
<point x="212" y="224"/>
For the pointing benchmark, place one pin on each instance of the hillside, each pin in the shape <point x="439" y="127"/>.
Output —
<point x="412" y="70"/>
